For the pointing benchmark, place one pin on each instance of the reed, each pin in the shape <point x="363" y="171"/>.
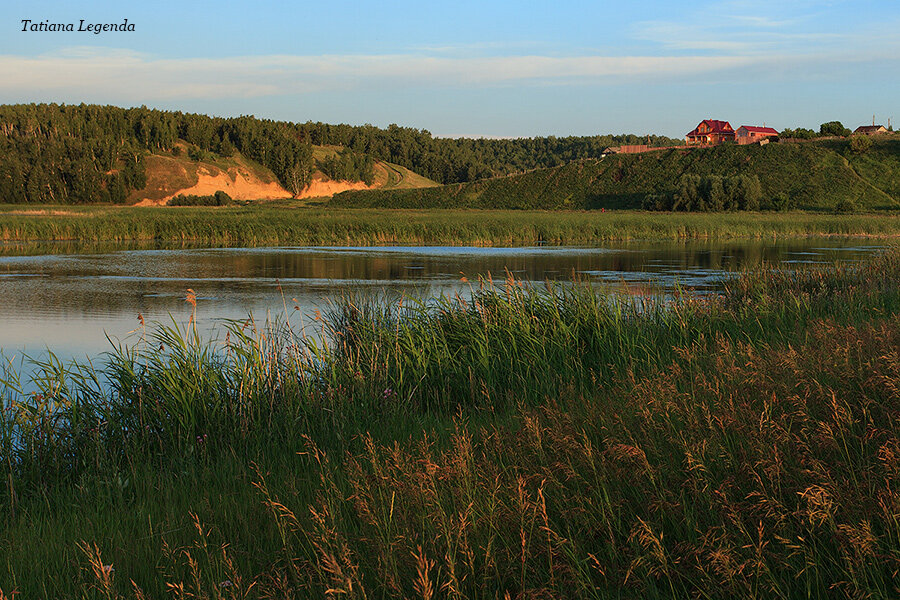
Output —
<point x="274" y="225"/>
<point x="517" y="442"/>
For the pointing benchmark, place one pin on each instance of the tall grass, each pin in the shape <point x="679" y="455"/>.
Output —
<point x="261" y="225"/>
<point x="545" y="442"/>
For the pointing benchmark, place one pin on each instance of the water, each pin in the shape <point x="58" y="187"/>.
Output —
<point x="72" y="302"/>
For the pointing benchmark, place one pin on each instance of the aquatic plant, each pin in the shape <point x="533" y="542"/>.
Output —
<point x="536" y="442"/>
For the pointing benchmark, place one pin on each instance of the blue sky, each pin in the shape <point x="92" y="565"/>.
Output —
<point x="492" y="68"/>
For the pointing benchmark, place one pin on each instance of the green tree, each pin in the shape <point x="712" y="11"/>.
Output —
<point x="833" y="128"/>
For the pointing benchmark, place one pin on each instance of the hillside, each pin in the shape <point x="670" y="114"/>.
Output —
<point x="85" y="154"/>
<point x="175" y="173"/>
<point x="814" y="175"/>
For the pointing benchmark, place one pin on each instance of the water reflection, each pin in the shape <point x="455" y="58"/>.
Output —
<point x="69" y="301"/>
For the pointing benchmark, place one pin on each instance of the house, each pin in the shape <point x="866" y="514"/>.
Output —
<point x="750" y="134"/>
<point x="870" y="130"/>
<point x="711" y="131"/>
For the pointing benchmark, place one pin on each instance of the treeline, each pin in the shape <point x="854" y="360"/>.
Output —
<point x="68" y="155"/>
<point x="87" y="153"/>
<point x="349" y="166"/>
<point x="709" y="193"/>
<point x="829" y="129"/>
<point x="458" y="160"/>
<point x="90" y="153"/>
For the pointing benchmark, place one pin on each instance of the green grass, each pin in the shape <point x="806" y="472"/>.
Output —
<point x="547" y="442"/>
<point x="286" y="225"/>
<point x="386" y="175"/>
<point x="815" y="175"/>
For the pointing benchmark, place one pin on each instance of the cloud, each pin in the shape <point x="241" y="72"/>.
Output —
<point x="128" y="75"/>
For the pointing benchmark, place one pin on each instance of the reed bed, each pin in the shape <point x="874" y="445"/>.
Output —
<point x="549" y="442"/>
<point x="273" y="225"/>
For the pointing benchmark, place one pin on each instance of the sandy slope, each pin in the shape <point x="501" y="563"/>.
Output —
<point x="168" y="177"/>
<point x="319" y="188"/>
<point x="237" y="183"/>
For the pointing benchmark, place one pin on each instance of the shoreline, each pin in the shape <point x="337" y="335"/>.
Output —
<point x="494" y="422"/>
<point x="279" y="225"/>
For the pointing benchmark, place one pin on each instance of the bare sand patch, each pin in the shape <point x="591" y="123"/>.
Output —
<point x="319" y="188"/>
<point x="238" y="183"/>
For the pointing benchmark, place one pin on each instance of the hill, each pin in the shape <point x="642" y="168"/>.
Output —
<point x="79" y="154"/>
<point x="189" y="171"/>
<point x="813" y="175"/>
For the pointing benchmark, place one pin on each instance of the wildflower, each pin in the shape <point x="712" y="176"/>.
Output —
<point x="388" y="392"/>
<point x="108" y="569"/>
<point x="226" y="584"/>
<point x="201" y="438"/>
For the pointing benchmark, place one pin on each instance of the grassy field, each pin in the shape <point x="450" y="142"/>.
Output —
<point x="814" y="175"/>
<point x="282" y="223"/>
<point x="527" y="443"/>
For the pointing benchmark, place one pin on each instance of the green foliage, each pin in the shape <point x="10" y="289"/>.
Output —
<point x="347" y="165"/>
<point x="782" y="202"/>
<point x="552" y="442"/>
<point x="268" y="224"/>
<point x="66" y="153"/>
<point x="846" y="206"/>
<point x="815" y="174"/>
<point x="710" y="193"/>
<point x="201" y="155"/>
<point x="798" y="134"/>
<point x="220" y="198"/>
<point x="860" y="143"/>
<point x="833" y="128"/>
<point x="86" y="153"/>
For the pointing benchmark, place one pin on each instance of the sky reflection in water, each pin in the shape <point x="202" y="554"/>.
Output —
<point x="71" y="302"/>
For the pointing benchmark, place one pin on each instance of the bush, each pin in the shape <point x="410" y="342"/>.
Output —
<point x="782" y="202"/>
<point x="711" y="193"/>
<point x="800" y="133"/>
<point x="220" y="198"/>
<point x="860" y="143"/>
<point x="846" y="206"/>
<point x="201" y="155"/>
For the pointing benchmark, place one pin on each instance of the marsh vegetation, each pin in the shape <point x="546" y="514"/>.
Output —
<point x="538" y="442"/>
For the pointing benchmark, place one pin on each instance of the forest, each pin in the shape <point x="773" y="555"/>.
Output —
<point x="79" y="154"/>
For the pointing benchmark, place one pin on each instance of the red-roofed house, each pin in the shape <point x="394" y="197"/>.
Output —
<point x="710" y="131"/>
<point x="749" y="134"/>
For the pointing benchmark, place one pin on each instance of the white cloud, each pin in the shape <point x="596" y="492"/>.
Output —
<point x="128" y="75"/>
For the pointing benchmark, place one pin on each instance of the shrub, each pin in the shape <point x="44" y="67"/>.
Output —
<point x="220" y="198"/>
<point x="846" y="206"/>
<point x="782" y="202"/>
<point x="860" y="143"/>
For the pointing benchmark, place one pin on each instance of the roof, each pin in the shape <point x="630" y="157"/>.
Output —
<point x="714" y="127"/>
<point x="755" y="129"/>
<point x="866" y="128"/>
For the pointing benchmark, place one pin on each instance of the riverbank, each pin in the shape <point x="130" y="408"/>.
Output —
<point x="548" y="442"/>
<point x="287" y="225"/>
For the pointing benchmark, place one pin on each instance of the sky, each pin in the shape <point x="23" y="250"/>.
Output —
<point x="493" y="68"/>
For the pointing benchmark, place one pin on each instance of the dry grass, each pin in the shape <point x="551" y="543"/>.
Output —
<point x="742" y="447"/>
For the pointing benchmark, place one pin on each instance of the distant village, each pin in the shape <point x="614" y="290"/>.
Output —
<point x="712" y="132"/>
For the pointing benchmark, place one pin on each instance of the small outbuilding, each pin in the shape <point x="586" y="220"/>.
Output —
<point x="711" y="131"/>
<point x="750" y="134"/>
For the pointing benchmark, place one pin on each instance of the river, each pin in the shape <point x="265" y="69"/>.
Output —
<point x="75" y="301"/>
